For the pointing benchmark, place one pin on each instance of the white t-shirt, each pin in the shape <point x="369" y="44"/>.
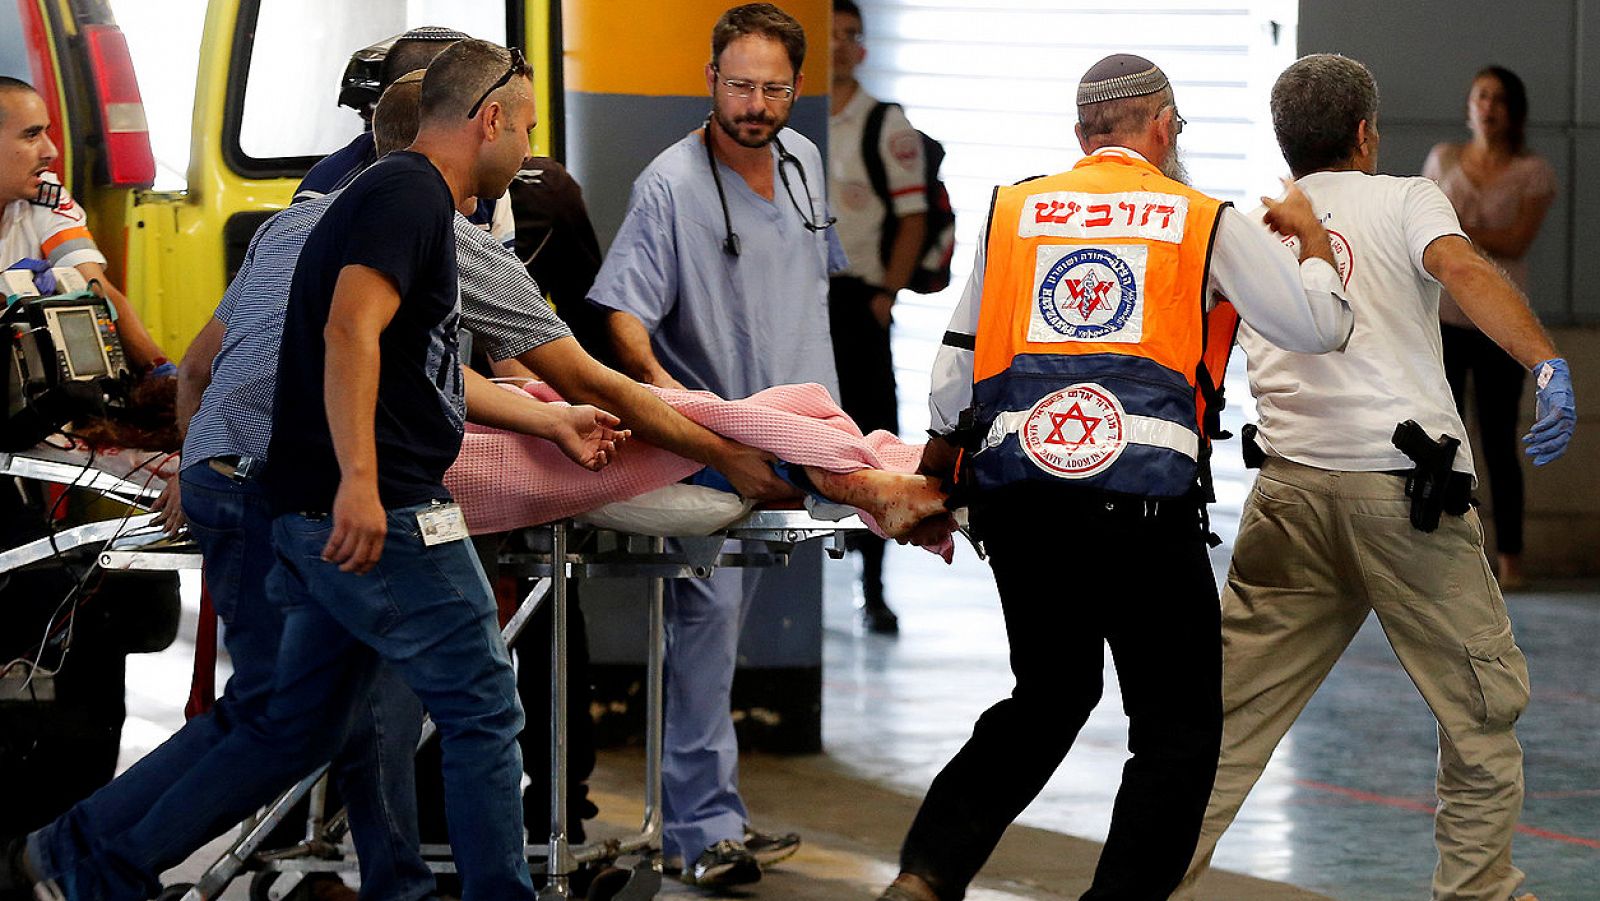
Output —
<point x="1338" y="411"/>
<point x="850" y="194"/>
<point x="60" y="235"/>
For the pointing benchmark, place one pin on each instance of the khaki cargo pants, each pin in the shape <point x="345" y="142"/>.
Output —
<point x="1317" y="550"/>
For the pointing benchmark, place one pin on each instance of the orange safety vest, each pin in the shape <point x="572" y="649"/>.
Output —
<point x="1097" y="361"/>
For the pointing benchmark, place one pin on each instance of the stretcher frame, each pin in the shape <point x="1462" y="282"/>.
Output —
<point x="558" y="859"/>
<point x="132" y="544"/>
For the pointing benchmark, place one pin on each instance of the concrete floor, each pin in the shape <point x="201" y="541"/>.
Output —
<point x="1345" y="806"/>
<point x="1343" y="810"/>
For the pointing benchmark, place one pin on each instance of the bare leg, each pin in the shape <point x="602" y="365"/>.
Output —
<point x="897" y="500"/>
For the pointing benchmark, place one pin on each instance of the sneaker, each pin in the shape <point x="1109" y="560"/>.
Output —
<point x="725" y="863"/>
<point x="769" y="850"/>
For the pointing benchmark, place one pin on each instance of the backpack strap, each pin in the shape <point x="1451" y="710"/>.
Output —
<point x="871" y="139"/>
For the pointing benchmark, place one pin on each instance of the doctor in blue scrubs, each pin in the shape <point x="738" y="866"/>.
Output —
<point x="718" y="280"/>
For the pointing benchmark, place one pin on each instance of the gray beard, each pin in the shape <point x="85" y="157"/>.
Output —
<point x="1174" y="169"/>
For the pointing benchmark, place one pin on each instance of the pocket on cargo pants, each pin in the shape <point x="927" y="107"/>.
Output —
<point x="1501" y="672"/>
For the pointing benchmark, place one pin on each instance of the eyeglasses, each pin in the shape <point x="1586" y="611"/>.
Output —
<point x="1178" y="121"/>
<point x="519" y="66"/>
<point x="776" y="93"/>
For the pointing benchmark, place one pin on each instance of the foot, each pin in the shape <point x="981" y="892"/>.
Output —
<point x="879" y="619"/>
<point x="897" y="501"/>
<point x="770" y="850"/>
<point x="725" y="863"/>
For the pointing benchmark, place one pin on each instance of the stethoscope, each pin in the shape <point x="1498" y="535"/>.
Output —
<point x="808" y="216"/>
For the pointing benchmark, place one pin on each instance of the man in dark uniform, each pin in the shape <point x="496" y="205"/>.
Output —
<point x="1076" y="376"/>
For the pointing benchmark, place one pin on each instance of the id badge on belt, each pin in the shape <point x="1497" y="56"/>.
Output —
<point x="441" y="524"/>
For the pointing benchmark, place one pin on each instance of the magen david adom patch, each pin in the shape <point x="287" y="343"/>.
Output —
<point x="1075" y="432"/>
<point x="1088" y="294"/>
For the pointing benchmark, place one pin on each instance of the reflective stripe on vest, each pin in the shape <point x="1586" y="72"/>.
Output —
<point x="1092" y="329"/>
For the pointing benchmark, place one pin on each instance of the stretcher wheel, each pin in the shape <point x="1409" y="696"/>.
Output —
<point x="640" y="883"/>
<point x="175" y="892"/>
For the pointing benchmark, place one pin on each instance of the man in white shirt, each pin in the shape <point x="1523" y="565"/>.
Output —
<point x="861" y="295"/>
<point x="40" y="220"/>
<point x="1074" y="376"/>
<point x="1327" y="535"/>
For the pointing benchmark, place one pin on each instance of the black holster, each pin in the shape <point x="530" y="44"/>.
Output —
<point x="1254" y="456"/>
<point x="1432" y="484"/>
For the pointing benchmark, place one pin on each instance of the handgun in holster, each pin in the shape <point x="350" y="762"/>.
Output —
<point x="1432" y="484"/>
<point x="1254" y="456"/>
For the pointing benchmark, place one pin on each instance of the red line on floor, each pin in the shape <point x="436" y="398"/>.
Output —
<point x="1356" y="794"/>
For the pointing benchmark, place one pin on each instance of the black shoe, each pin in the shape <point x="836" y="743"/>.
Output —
<point x="14" y="881"/>
<point x="879" y="619"/>
<point x="725" y="863"/>
<point x="18" y="881"/>
<point x="769" y="850"/>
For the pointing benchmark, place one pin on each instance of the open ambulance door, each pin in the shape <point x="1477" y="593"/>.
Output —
<point x="265" y="110"/>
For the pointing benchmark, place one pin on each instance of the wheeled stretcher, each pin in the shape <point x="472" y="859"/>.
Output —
<point x="543" y="559"/>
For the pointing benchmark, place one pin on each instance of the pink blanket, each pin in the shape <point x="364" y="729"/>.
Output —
<point x="505" y="481"/>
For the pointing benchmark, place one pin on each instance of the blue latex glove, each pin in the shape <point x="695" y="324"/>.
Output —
<point x="164" y="371"/>
<point x="1557" y="413"/>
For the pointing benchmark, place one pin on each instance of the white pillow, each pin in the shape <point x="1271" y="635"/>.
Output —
<point x="675" y="510"/>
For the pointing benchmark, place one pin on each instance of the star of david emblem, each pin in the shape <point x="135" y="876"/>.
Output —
<point x="1074" y="414"/>
<point x="1089" y="292"/>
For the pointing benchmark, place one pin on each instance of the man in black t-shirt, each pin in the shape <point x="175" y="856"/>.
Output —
<point x="370" y="410"/>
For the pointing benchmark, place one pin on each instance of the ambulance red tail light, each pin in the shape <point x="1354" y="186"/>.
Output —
<point x="129" y="160"/>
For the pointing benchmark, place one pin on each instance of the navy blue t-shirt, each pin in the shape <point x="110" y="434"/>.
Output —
<point x="340" y="167"/>
<point x="397" y="218"/>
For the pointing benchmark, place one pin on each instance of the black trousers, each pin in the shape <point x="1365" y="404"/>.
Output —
<point x="862" y="356"/>
<point x="1497" y="382"/>
<point x="1073" y="578"/>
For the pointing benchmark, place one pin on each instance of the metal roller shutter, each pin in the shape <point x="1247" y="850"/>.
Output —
<point x="995" y="82"/>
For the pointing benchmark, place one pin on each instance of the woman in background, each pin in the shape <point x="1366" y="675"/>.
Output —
<point x="1501" y="191"/>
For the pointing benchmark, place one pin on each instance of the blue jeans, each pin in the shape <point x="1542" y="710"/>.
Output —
<point x="232" y="525"/>
<point x="429" y="613"/>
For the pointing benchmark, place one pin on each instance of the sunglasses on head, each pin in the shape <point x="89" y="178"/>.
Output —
<point x="519" y="66"/>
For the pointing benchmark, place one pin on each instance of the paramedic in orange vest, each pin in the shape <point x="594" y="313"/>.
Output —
<point x="1071" y="398"/>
